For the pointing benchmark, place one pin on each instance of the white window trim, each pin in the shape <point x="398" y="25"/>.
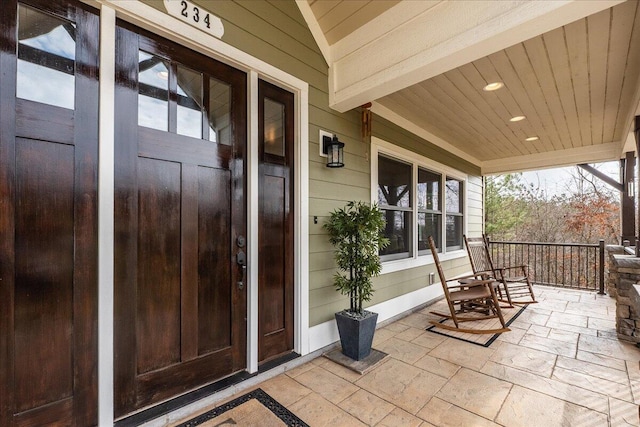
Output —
<point x="379" y="146"/>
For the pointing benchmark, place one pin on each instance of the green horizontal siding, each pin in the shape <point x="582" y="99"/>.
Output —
<point x="475" y="207"/>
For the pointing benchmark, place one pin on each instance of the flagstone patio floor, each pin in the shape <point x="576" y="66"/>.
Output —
<point x="560" y="365"/>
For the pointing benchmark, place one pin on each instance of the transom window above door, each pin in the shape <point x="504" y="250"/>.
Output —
<point x="177" y="99"/>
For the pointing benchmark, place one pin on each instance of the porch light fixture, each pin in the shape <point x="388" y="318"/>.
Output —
<point x="517" y="118"/>
<point x="493" y="86"/>
<point x="532" y="138"/>
<point x="334" y="151"/>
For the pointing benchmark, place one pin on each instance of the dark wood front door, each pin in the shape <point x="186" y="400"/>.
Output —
<point x="180" y="314"/>
<point x="275" y="232"/>
<point x="48" y="213"/>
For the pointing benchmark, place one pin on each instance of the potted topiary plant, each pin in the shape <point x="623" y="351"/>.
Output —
<point x="356" y="232"/>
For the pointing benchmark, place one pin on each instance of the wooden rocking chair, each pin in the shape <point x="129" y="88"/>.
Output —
<point x="514" y="280"/>
<point x="470" y="295"/>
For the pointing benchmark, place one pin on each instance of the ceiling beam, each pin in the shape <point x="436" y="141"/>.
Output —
<point x="552" y="159"/>
<point x="604" y="177"/>
<point x="389" y="54"/>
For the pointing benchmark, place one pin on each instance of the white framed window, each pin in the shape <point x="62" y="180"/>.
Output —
<point x="395" y="199"/>
<point x="419" y="197"/>
<point x="454" y="189"/>
<point x="429" y="189"/>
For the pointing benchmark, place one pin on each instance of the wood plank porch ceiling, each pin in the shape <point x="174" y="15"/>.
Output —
<point x="577" y="86"/>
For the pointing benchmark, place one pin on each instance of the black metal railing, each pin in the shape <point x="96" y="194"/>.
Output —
<point x="566" y="265"/>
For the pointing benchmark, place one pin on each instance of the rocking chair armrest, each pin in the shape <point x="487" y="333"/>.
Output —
<point x="468" y="276"/>
<point x="503" y="270"/>
<point x="470" y="284"/>
<point x="484" y="273"/>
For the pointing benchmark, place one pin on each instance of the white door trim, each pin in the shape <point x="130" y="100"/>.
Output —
<point x="106" y="192"/>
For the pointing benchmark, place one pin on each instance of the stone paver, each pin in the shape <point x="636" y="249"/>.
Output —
<point x="317" y="411"/>
<point x="475" y="392"/>
<point x="398" y="417"/>
<point x="403" y="385"/>
<point x="462" y="353"/>
<point x="528" y="408"/>
<point x="562" y="348"/>
<point x="437" y="366"/>
<point x="403" y="350"/>
<point x="367" y="407"/>
<point x="441" y="413"/>
<point x="327" y="384"/>
<point x="599" y="371"/>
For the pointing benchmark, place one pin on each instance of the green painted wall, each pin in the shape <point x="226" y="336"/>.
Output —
<point x="275" y="32"/>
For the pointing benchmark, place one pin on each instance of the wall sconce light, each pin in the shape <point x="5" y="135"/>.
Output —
<point x="631" y="189"/>
<point x="334" y="151"/>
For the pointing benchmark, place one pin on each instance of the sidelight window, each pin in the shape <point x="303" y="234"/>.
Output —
<point x="274" y="128"/>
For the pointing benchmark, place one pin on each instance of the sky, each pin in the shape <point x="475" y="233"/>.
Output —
<point x="559" y="180"/>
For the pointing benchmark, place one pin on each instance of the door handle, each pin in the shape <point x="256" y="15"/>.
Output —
<point x="241" y="259"/>
<point x="244" y="274"/>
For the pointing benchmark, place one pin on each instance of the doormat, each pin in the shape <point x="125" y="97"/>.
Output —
<point x="360" y="366"/>
<point x="254" y="409"/>
<point x="485" y="340"/>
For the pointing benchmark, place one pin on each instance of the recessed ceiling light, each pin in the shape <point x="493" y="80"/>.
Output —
<point x="517" y="118"/>
<point x="532" y="138"/>
<point x="493" y="86"/>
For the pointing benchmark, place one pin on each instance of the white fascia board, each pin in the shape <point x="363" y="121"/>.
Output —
<point x="408" y="125"/>
<point x="552" y="159"/>
<point x="315" y="29"/>
<point x="440" y="38"/>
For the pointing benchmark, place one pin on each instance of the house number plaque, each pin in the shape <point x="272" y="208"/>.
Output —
<point x="196" y="16"/>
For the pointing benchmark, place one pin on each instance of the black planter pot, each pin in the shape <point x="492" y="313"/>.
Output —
<point x="356" y="334"/>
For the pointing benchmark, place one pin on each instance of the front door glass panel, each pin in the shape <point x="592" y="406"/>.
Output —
<point x="46" y="58"/>
<point x="153" y="91"/>
<point x="189" y="103"/>
<point x="219" y="112"/>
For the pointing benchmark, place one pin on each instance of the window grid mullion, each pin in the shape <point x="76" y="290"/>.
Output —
<point x="414" y="205"/>
<point x="395" y="208"/>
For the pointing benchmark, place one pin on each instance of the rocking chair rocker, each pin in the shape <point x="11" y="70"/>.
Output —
<point x="472" y="299"/>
